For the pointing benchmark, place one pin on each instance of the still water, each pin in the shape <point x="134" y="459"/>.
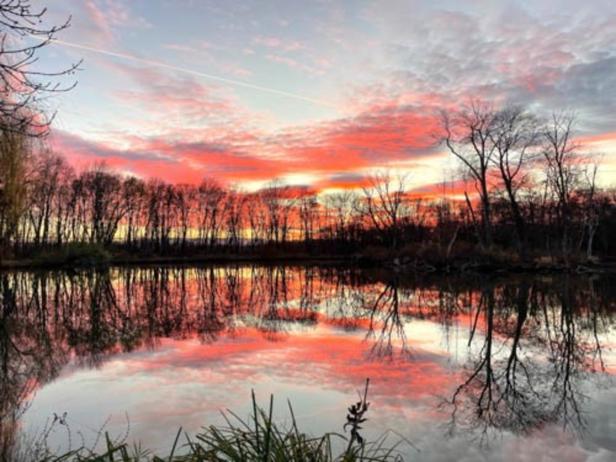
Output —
<point x="474" y="368"/>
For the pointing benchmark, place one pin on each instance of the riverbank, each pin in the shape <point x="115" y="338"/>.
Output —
<point x="84" y="260"/>
<point x="481" y="264"/>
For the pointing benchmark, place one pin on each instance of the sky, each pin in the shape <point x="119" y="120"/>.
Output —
<point x="318" y="92"/>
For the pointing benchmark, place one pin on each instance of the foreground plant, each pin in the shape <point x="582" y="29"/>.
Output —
<point x="258" y="439"/>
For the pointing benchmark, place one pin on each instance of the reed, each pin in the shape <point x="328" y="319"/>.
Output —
<point x="258" y="439"/>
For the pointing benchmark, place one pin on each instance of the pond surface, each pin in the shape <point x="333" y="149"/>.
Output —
<point x="464" y="368"/>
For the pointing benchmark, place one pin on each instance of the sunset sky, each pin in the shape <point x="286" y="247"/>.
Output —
<point x="320" y="92"/>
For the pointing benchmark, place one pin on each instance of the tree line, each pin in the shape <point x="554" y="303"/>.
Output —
<point x="529" y="191"/>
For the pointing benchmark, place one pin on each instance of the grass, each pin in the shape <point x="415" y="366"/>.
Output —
<point x="257" y="439"/>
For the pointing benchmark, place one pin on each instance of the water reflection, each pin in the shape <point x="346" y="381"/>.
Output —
<point x="538" y="347"/>
<point x="513" y="355"/>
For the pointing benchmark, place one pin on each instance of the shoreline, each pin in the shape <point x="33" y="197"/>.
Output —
<point x="357" y="261"/>
<point x="174" y="260"/>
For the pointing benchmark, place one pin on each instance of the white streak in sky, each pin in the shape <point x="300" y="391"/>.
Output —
<point x="160" y="64"/>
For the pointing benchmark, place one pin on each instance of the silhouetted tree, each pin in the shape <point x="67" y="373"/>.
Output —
<point x="469" y="136"/>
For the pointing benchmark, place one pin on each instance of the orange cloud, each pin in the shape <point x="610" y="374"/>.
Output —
<point x="336" y="151"/>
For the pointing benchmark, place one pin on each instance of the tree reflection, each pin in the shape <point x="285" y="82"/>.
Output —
<point x="529" y="358"/>
<point x="387" y="326"/>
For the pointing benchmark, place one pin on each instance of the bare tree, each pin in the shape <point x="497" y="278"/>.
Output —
<point x="24" y="33"/>
<point x="514" y="134"/>
<point x="341" y="207"/>
<point x="257" y="217"/>
<point x="563" y="160"/>
<point x="184" y="200"/>
<point x="234" y="218"/>
<point x="45" y="186"/>
<point x="106" y="208"/>
<point x="272" y="197"/>
<point x="134" y="196"/>
<point x="210" y="202"/>
<point x="308" y="216"/>
<point x="591" y="209"/>
<point x="468" y="134"/>
<point x="384" y="204"/>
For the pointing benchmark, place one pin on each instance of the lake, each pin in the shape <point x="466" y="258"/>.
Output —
<point x="509" y="368"/>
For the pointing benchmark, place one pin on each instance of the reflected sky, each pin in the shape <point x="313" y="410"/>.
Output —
<point x="465" y="369"/>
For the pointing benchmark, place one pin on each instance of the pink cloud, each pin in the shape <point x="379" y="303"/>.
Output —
<point x="235" y="151"/>
<point x="278" y="43"/>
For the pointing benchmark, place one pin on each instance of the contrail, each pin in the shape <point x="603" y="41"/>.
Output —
<point x="151" y="62"/>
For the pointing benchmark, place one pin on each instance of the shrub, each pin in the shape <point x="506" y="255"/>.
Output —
<point x="74" y="254"/>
